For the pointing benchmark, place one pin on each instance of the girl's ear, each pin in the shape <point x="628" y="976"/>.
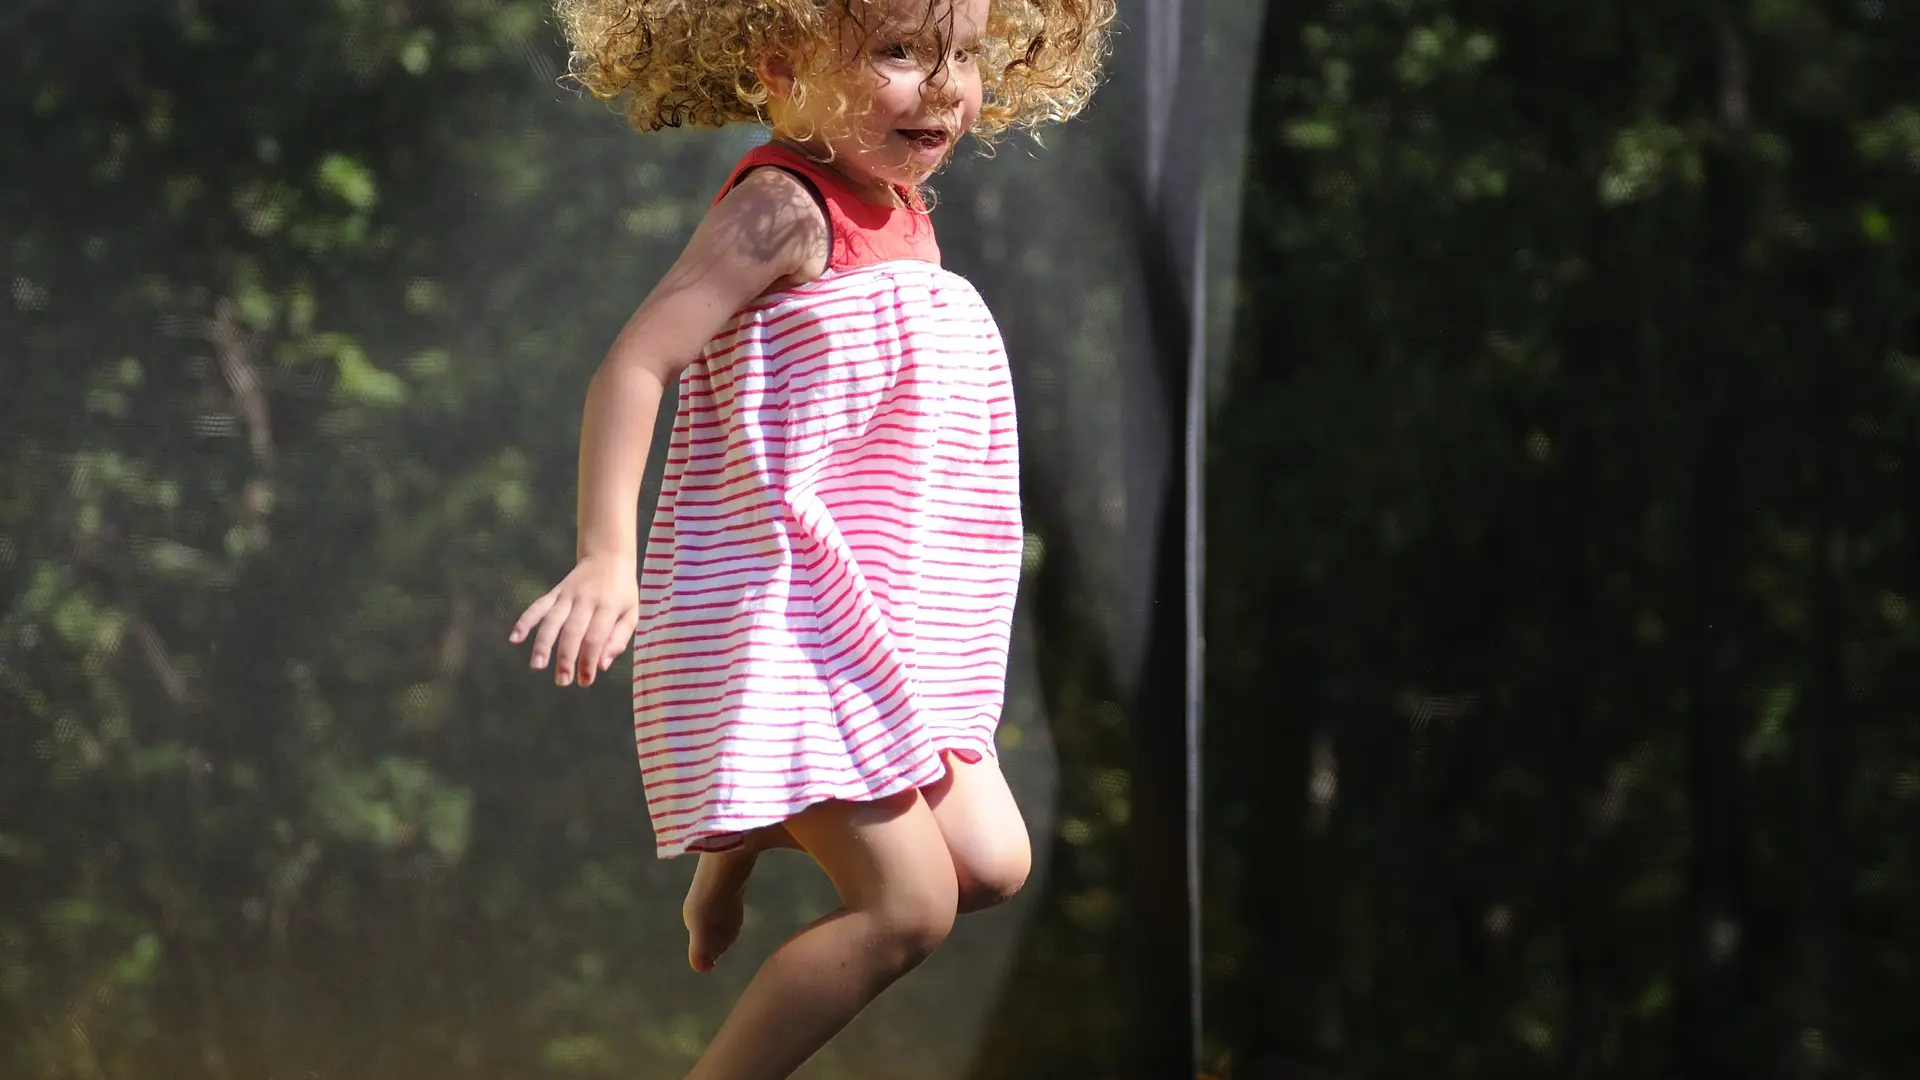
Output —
<point x="776" y="73"/>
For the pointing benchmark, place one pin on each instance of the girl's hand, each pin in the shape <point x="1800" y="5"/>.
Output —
<point x="590" y="616"/>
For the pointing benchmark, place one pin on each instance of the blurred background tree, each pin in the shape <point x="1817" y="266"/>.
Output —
<point x="1562" y="651"/>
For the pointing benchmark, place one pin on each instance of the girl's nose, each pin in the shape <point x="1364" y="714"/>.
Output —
<point x="938" y="87"/>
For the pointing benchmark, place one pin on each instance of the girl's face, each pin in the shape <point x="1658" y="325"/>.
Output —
<point x="919" y="63"/>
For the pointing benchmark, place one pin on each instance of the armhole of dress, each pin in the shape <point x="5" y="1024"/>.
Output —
<point x="813" y="189"/>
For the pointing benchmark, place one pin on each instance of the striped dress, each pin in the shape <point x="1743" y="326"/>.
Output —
<point x="829" y="579"/>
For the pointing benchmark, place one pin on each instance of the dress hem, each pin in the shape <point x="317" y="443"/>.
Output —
<point x="707" y="840"/>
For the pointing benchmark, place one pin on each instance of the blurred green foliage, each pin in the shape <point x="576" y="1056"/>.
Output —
<point x="1561" y="629"/>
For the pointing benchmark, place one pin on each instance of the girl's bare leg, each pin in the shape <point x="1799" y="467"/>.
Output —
<point x="896" y="883"/>
<point x="978" y="818"/>
<point x="985" y="833"/>
<point x="716" y="901"/>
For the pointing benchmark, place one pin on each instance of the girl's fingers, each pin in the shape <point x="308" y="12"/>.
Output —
<point x="531" y="616"/>
<point x="594" y="646"/>
<point x="550" y="628"/>
<point x="590" y="646"/>
<point x="620" y="640"/>
<point x="566" y="657"/>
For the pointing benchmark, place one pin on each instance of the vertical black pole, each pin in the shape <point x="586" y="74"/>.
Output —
<point x="1165" y="817"/>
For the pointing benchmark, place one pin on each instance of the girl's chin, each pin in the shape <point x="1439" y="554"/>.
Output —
<point x="894" y="169"/>
<point x="919" y="166"/>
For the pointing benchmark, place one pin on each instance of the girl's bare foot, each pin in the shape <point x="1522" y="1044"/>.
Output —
<point x="716" y="905"/>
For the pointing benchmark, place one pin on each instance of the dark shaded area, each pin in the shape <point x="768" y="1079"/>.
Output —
<point x="1563" y="708"/>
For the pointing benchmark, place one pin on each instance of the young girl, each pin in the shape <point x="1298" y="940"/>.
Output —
<point x="820" y="628"/>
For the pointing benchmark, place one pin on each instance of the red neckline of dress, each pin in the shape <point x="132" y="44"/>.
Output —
<point x="908" y="200"/>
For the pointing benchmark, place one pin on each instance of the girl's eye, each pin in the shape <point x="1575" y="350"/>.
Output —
<point x="963" y="56"/>
<point x="897" y="52"/>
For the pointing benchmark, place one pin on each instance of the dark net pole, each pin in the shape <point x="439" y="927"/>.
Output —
<point x="1166" y="446"/>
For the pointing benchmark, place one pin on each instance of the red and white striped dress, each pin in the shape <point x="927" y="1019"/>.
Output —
<point x="829" y="581"/>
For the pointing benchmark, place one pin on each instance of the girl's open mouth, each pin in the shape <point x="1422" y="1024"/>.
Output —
<point x="925" y="138"/>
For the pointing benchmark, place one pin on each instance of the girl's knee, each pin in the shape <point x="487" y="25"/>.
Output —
<point x="889" y="863"/>
<point x="913" y="921"/>
<point x="995" y="876"/>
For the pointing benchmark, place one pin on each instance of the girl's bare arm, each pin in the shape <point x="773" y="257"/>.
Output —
<point x="766" y="233"/>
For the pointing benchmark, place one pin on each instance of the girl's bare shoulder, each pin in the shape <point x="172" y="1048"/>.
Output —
<point x="773" y="219"/>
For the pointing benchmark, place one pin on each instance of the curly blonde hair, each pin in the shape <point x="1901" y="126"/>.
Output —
<point x="693" y="63"/>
